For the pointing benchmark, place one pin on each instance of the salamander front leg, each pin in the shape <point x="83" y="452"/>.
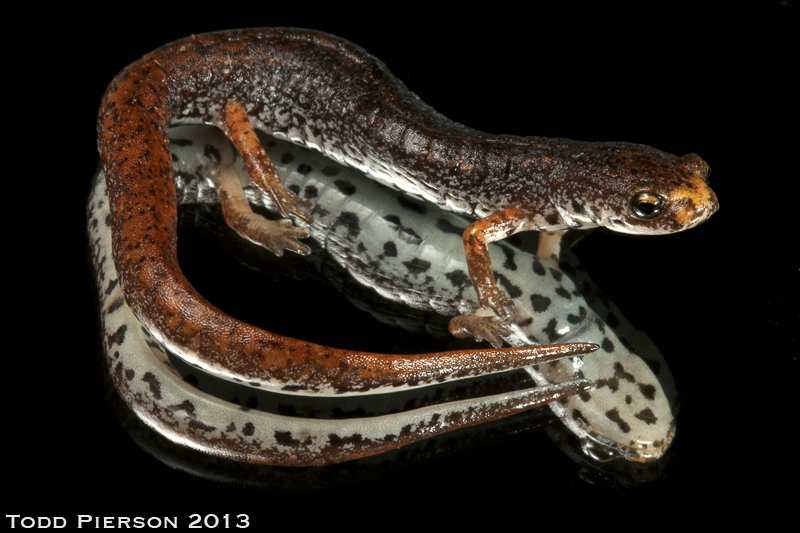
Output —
<point x="275" y="236"/>
<point x="487" y="322"/>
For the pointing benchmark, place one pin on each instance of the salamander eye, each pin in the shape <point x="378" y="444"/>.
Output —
<point x="646" y="205"/>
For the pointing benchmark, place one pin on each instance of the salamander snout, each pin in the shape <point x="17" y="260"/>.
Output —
<point x="695" y="199"/>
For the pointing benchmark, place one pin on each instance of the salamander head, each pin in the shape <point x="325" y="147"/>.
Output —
<point x="638" y="189"/>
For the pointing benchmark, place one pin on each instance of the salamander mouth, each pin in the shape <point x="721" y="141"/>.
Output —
<point x="617" y="224"/>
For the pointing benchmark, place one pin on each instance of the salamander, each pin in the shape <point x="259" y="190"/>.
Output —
<point x="358" y="224"/>
<point x="326" y="93"/>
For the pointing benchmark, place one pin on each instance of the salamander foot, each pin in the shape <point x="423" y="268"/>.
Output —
<point x="480" y="326"/>
<point x="274" y="235"/>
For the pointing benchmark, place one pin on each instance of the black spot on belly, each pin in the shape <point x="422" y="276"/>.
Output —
<point x="564" y="293"/>
<point x="295" y="189"/>
<point x="118" y="337"/>
<point x="647" y="416"/>
<point x="512" y="290"/>
<point x="550" y="330"/>
<point x="303" y="169"/>
<point x="445" y="226"/>
<point x="336" y="441"/>
<point x="392" y="219"/>
<point x="130" y="374"/>
<point x="648" y="391"/>
<point x="155" y="386"/>
<point x="509" y="263"/>
<point x="117" y="304"/>
<point x="619" y="372"/>
<point x="612" y="320"/>
<point x="578" y="416"/>
<point x="345" y="187"/>
<point x="390" y="249"/>
<point x="249" y="429"/>
<point x="607" y="345"/>
<point x="411" y="205"/>
<point x="540" y="303"/>
<point x="538" y="269"/>
<point x="195" y="424"/>
<point x="613" y="415"/>
<point x="186" y="406"/>
<point x="457" y="278"/>
<point x="611" y="383"/>
<point x="350" y="221"/>
<point x="284" y="438"/>
<point x="286" y="158"/>
<point x="557" y="275"/>
<point x="417" y="266"/>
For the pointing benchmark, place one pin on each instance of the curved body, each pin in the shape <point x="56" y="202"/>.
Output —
<point x="324" y="92"/>
<point x="356" y="222"/>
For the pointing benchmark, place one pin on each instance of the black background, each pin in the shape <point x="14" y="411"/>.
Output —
<point x="719" y="300"/>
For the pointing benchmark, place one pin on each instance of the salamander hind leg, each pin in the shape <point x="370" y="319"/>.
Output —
<point x="550" y="246"/>
<point x="276" y="236"/>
